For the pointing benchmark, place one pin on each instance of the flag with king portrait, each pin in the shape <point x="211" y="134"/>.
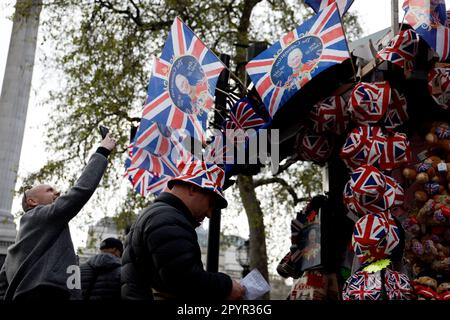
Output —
<point x="182" y="84"/>
<point x="300" y="55"/>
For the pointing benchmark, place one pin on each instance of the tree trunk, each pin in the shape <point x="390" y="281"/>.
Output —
<point x="14" y="105"/>
<point x="258" y="251"/>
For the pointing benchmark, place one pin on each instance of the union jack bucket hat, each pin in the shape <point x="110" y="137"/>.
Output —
<point x="396" y="114"/>
<point x="207" y="176"/>
<point x="369" y="102"/>
<point x="363" y="146"/>
<point x="383" y="192"/>
<point x="397" y="152"/>
<point x="330" y="115"/>
<point x="314" y="147"/>
<point x="363" y="285"/>
<point x="374" y="237"/>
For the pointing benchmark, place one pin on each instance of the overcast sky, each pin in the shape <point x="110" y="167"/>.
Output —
<point x="374" y="16"/>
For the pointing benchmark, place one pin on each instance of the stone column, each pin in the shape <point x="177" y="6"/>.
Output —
<point x="13" y="108"/>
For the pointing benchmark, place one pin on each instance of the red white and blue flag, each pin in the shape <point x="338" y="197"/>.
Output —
<point x="401" y="50"/>
<point x="436" y="9"/>
<point x="182" y="84"/>
<point x="284" y="68"/>
<point x="158" y="149"/>
<point x="429" y="20"/>
<point x="143" y="181"/>
<point x="243" y="116"/>
<point x="319" y="5"/>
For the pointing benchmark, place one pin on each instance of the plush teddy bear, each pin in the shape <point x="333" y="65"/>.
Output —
<point x="439" y="136"/>
<point x="425" y="288"/>
<point x="444" y="291"/>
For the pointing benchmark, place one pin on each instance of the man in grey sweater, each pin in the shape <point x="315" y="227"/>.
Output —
<point x="36" y="266"/>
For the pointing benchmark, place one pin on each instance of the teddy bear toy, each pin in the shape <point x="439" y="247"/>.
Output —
<point x="439" y="136"/>
<point x="444" y="291"/>
<point x="425" y="288"/>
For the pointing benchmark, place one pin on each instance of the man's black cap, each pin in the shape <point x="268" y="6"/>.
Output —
<point x="111" y="243"/>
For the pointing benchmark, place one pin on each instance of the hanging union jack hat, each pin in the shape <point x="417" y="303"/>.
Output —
<point x="364" y="145"/>
<point x="401" y="50"/>
<point x="300" y="55"/>
<point x="313" y="147"/>
<point x="397" y="152"/>
<point x="439" y="86"/>
<point x="183" y="81"/>
<point x="375" y="236"/>
<point x="207" y="176"/>
<point x="363" y="285"/>
<point x="396" y="114"/>
<point x="372" y="190"/>
<point x="369" y="101"/>
<point x="330" y="115"/>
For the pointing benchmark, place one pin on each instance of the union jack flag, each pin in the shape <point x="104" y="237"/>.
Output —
<point x="436" y="9"/>
<point x="330" y="115"/>
<point x="369" y="101"/>
<point x="362" y="286"/>
<point x="442" y="132"/>
<point x="439" y="86"/>
<point x="397" y="152"/>
<point x="284" y="68"/>
<point x="319" y="5"/>
<point x="429" y="19"/>
<point x="401" y="50"/>
<point x="244" y="117"/>
<point x="217" y="151"/>
<point x="143" y="181"/>
<point x="396" y="114"/>
<point x="182" y="83"/>
<point x="431" y="188"/>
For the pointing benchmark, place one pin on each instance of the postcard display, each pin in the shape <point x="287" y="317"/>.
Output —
<point x="395" y="128"/>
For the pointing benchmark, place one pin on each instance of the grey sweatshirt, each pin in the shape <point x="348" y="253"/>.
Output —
<point x="44" y="237"/>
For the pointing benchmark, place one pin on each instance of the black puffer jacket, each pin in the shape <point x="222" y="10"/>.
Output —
<point x="101" y="276"/>
<point x="162" y="252"/>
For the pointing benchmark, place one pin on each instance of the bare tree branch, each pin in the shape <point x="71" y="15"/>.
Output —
<point x="284" y="184"/>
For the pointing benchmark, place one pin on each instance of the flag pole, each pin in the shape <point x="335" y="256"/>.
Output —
<point x="394" y="17"/>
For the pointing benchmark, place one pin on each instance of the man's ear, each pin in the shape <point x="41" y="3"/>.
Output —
<point x="32" y="203"/>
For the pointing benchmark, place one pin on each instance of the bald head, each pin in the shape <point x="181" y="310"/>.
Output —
<point x="42" y="194"/>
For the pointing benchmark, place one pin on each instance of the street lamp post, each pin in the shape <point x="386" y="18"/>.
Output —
<point x="243" y="257"/>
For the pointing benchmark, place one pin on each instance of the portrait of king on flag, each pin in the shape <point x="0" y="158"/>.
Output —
<point x="182" y="84"/>
<point x="300" y="55"/>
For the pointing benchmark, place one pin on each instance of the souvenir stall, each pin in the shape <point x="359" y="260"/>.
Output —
<point x="374" y="114"/>
<point x="384" y="141"/>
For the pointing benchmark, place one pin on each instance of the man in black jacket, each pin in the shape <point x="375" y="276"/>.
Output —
<point x="100" y="275"/>
<point x="162" y="257"/>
